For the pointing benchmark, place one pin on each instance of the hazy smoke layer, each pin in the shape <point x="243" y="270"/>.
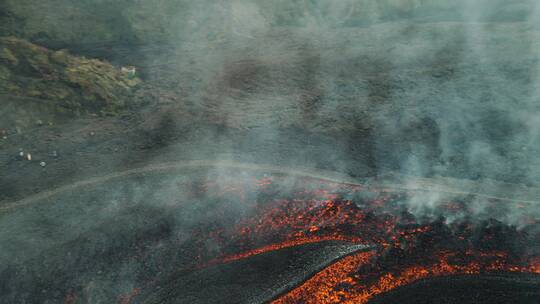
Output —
<point x="441" y="87"/>
<point x="424" y="88"/>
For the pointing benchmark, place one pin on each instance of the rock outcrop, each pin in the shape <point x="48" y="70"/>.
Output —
<point x="35" y="80"/>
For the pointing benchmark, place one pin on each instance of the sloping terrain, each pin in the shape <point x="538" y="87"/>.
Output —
<point x="40" y="86"/>
<point x="260" y="144"/>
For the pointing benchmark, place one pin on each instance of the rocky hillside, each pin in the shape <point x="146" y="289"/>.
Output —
<point x="37" y="82"/>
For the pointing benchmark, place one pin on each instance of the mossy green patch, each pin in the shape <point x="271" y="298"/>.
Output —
<point x="7" y="55"/>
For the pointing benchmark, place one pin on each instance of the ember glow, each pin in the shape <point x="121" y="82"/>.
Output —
<point x="321" y="288"/>
<point x="342" y="282"/>
<point x="408" y="248"/>
<point x="277" y="246"/>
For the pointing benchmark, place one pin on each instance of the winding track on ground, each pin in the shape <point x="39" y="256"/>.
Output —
<point x="416" y="185"/>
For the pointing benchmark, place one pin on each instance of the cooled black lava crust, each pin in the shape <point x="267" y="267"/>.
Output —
<point x="467" y="289"/>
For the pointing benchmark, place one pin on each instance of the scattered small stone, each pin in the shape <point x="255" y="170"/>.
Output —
<point x="28" y="156"/>
<point x="4" y="137"/>
<point x="39" y="122"/>
<point x="54" y="153"/>
<point x="92" y="133"/>
<point x="43" y="164"/>
<point x="21" y="154"/>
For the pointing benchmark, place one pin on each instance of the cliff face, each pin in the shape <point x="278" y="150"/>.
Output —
<point x="37" y="80"/>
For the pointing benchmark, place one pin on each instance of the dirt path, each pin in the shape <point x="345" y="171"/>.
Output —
<point x="411" y="184"/>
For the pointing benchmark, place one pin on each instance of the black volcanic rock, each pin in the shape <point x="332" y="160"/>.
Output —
<point x="474" y="289"/>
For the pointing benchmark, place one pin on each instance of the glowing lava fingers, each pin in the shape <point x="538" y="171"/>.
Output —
<point x="344" y="281"/>
<point x="324" y="287"/>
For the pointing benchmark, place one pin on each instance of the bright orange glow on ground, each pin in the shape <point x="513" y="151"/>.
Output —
<point x="321" y="288"/>
<point x="341" y="283"/>
<point x="408" y="249"/>
<point x="278" y="246"/>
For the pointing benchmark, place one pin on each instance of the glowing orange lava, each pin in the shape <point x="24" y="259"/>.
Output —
<point x="342" y="283"/>
<point x="409" y="249"/>
<point x="277" y="246"/>
<point x="321" y="288"/>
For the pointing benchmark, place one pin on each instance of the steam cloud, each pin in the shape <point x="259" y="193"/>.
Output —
<point x="424" y="88"/>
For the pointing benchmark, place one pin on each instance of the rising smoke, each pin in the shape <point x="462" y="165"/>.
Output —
<point x="441" y="88"/>
<point x="422" y="88"/>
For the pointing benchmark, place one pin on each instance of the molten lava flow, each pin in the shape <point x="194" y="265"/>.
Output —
<point x="277" y="246"/>
<point x="386" y="282"/>
<point x="296" y="222"/>
<point x="408" y="248"/>
<point x="355" y="279"/>
<point x="321" y="288"/>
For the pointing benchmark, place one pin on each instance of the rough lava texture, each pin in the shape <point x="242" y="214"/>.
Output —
<point x="496" y="289"/>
